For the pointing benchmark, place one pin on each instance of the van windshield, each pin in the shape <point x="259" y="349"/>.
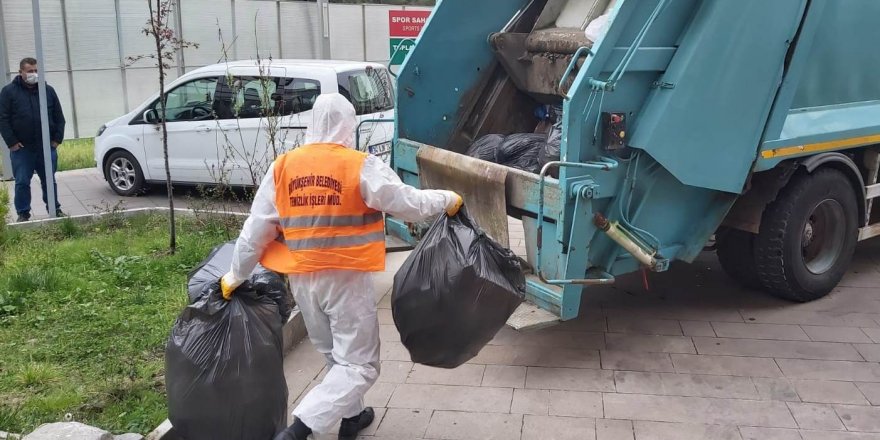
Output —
<point x="370" y="90"/>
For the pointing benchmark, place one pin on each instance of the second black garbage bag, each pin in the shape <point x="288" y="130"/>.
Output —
<point x="224" y="359"/>
<point x="454" y="292"/>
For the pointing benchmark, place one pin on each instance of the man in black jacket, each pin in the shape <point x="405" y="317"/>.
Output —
<point x="22" y="131"/>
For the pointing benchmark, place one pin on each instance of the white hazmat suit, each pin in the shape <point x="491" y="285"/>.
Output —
<point x="338" y="306"/>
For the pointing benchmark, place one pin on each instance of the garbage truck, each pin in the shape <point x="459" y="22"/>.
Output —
<point x="753" y="125"/>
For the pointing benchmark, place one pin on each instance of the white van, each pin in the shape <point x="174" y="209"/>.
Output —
<point x="227" y="122"/>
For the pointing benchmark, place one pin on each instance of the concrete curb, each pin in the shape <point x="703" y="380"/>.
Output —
<point x="86" y="218"/>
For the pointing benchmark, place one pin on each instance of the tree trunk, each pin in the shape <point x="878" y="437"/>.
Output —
<point x="158" y="25"/>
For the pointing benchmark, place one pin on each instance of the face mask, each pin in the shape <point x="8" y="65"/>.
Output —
<point x="31" y="78"/>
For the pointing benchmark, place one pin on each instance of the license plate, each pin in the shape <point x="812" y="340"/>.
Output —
<point x="380" y="149"/>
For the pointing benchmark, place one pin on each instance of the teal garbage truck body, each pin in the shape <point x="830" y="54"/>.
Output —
<point x="754" y="122"/>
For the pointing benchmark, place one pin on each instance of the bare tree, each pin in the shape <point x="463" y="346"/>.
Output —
<point x="168" y="45"/>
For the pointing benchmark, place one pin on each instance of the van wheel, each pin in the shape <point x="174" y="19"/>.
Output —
<point x="808" y="236"/>
<point x="737" y="256"/>
<point x="124" y="174"/>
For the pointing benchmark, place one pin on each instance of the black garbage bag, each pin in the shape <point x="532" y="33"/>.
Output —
<point x="264" y="281"/>
<point x="521" y="151"/>
<point x="486" y="147"/>
<point x="552" y="149"/>
<point x="224" y="361"/>
<point x="454" y="292"/>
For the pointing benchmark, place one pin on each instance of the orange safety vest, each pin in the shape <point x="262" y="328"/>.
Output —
<point x="325" y="223"/>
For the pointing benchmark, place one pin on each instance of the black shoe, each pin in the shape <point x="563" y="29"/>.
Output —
<point x="351" y="427"/>
<point x="60" y="213"/>
<point x="23" y="218"/>
<point x="296" y="431"/>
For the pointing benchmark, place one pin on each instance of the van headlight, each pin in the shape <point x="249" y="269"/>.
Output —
<point x="101" y="130"/>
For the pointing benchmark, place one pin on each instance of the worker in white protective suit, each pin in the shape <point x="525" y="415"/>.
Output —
<point x="317" y="217"/>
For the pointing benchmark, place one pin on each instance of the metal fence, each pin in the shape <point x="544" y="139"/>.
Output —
<point x="88" y="43"/>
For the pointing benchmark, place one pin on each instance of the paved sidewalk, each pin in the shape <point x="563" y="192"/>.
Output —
<point x="696" y="358"/>
<point x="85" y="192"/>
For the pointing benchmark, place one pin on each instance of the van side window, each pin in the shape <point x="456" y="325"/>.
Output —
<point x="370" y="90"/>
<point x="254" y="97"/>
<point x="192" y="101"/>
<point x="297" y="95"/>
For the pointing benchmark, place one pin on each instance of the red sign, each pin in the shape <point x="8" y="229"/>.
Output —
<point x="406" y="23"/>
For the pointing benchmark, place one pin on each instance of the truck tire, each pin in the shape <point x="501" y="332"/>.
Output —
<point x="808" y="236"/>
<point x="736" y="253"/>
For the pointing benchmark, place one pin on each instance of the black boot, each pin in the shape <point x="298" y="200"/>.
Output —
<point x="351" y="427"/>
<point x="297" y="431"/>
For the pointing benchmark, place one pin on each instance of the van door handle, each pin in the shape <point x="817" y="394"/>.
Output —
<point x="229" y="127"/>
<point x="204" y="129"/>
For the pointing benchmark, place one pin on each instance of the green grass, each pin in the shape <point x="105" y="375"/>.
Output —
<point x="76" y="154"/>
<point x="85" y="311"/>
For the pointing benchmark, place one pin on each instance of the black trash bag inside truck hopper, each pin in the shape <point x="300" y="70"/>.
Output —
<point x="486" y="147"/>
<point x="224" y="359"/>
<point x="454" y="292"/>
<point x="521" y="151"/>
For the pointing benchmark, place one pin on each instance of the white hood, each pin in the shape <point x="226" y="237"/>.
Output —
<point x="333" y="121"/>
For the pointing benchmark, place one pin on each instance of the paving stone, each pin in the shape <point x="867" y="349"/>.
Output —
<point x="558" y="428"/>
<point x="828" y="435"/>
<point x="873" y="333"/>
<point x="614" y="430"/>
<point x="815" y="416"/>
<point x="404" y="423"/>
<point x="550" y="339"/>
<point x="504" y="376"/>
<point x="455" y="425"/>
<point x="385" y="316"/>
<point x="452" y="398"/>
<point x="752" y="433"/>
<point x="379" y="394"/>
<point x="836" y="334"/>
<point x="697" y="328"/>
<point x="395" y="371"/>
<point x="536" y="402"/>
<point x="537" y="357"/>
<point x="871" y="352"/>
<point x="394" y="351"/>
<point x="788" y="315"/>
<point x="678" y="312"/>
<point x="871" y="391"/>
<point x="644" y="326"/>
<point x="575" y="404"/>
<point x="569" y="379"/>
<point x="649" y="343"/>
<point x="636" y="361"/>
<point x="778" y="349"/>
<point x="830" y="370"/>
<point x="859" y="418"/>
<point x="468" y="374"/>
<point x="587" y="321"/>
<point x="759" y="331"/>
<point x="684" y="431"/>
<point x="823" y="391"/>
<point x="772" y="388"/>
<point x="725" y="365"/>
<point x="688" y="409"/>
<point x="685" y="385"/>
